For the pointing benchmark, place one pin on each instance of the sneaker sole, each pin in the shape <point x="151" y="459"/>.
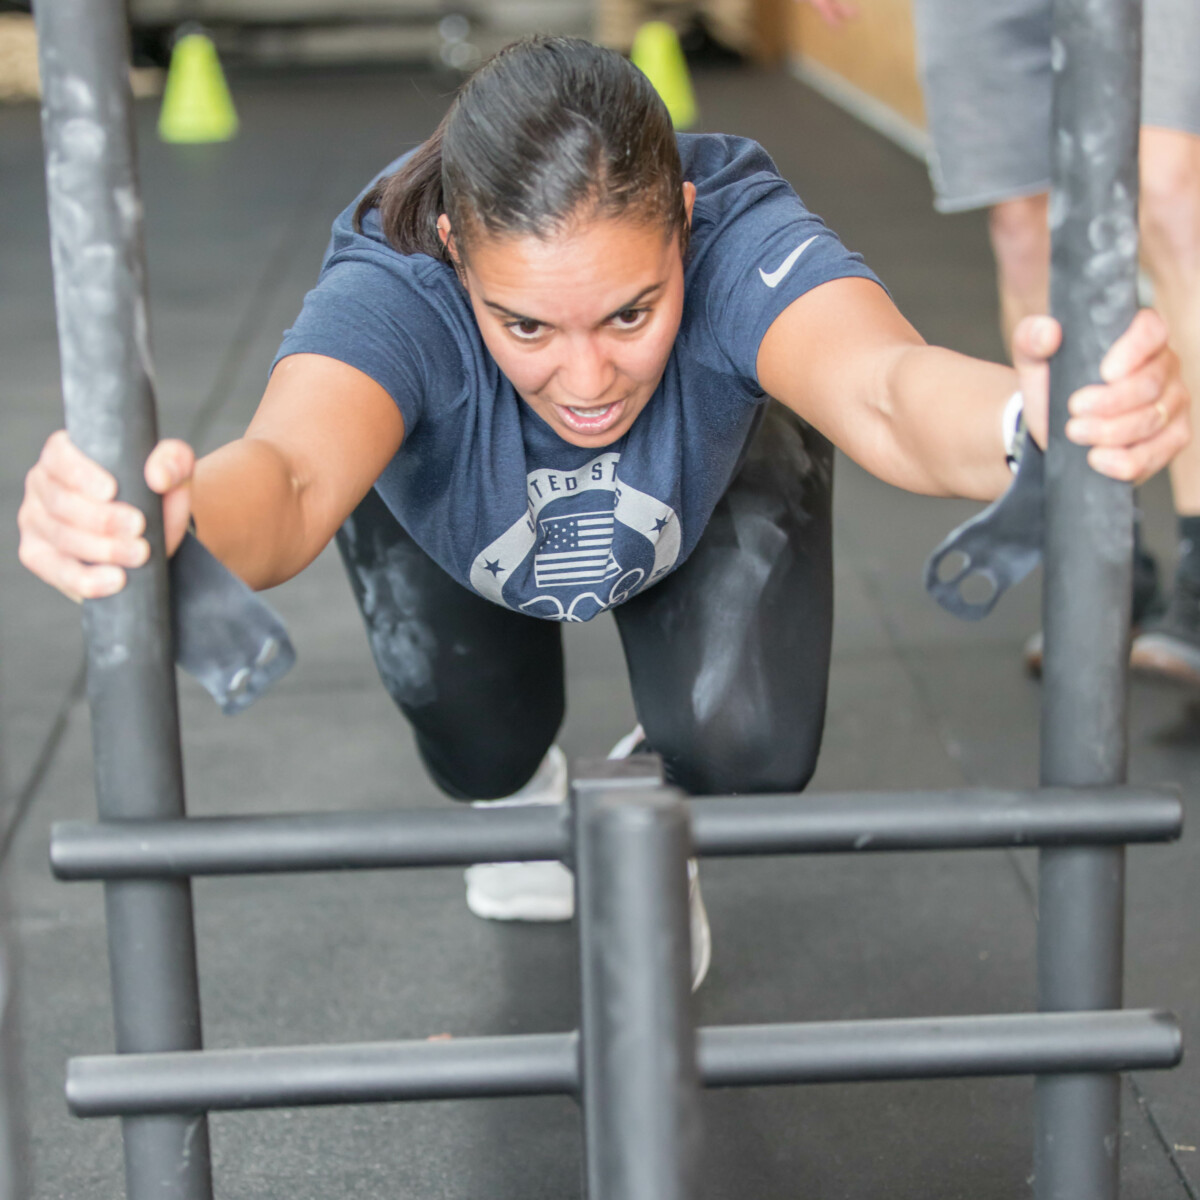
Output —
<point x="520" y="891"/>
<point x="1157" y="656"/>
<point x="522" y="909"/>
<point x="700" y="934"/>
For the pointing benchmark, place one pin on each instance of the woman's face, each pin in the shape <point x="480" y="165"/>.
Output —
<point x="583" y="323"/>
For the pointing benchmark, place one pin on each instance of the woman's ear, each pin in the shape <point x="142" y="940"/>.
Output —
<point x="689" y="200"/>
<point x="447" y="236"/>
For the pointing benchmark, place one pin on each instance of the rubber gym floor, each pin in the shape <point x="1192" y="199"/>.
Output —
<point x="235" y="233"/>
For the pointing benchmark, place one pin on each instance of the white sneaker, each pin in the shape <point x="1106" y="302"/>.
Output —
<point x="525" y="891"/>
<point x="545" y="891"/>
<point x="626" y="746"/>
<point x="698" y="926"/>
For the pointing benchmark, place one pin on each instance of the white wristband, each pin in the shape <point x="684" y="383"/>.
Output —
<point x="1012" y="428"/>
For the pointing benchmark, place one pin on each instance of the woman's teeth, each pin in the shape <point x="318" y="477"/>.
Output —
<point x="591" y="420"/>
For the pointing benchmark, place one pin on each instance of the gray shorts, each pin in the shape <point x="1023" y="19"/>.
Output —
<point x="985" y="71"/>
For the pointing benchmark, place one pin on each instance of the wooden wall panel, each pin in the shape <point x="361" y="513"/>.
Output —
<point x="772" y="19"/>
<point x="874" y="52"/>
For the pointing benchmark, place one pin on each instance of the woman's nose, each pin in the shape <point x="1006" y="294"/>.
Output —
<point x="587" y="372"/>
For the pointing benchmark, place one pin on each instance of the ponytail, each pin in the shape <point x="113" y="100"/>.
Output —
<point x="410" y="201"/>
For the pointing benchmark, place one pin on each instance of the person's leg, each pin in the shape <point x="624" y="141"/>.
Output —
<point x="987" y="81"/>
<point x="481" y="686"/>
<point x="1170" y="219"/>
<point x="729" y="655"/>
<point x="1020" y="236"/>
<point x="1170" y="212"/>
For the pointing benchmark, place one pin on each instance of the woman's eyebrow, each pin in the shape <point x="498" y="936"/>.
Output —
<point x="513" y="315"/>
<point x="509" y="312"/>
<point x="644" y="294"/>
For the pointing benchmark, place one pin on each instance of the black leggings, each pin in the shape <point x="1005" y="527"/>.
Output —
<point x="728" y="656"/>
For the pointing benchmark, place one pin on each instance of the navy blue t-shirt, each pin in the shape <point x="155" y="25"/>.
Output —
<point x="484" y="485"/>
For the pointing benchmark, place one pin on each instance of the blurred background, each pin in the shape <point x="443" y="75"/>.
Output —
<point x="868" y="62"/>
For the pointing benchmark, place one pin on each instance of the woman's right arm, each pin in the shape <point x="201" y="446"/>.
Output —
<point x="265" y="505"/>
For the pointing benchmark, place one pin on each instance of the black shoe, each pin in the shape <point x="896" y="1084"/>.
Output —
<point x="1168" y="646"/>
<point x="1147" y="608"/>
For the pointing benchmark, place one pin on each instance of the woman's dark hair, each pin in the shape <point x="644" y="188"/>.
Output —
<point x="547" y="130"/>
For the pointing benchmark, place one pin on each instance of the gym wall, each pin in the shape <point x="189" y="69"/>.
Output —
<point x="868" y="65"/>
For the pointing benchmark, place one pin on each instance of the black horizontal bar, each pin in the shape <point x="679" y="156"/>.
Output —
<point x="730" y="1056"/>
<point x="962" y="819"/>
<point x="287" y="1076"/>
<point x="939" y="1047"/>
<point x="307" y="842"/>
<point x="785" y="824"/>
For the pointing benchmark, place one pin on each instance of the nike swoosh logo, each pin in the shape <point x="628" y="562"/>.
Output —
<point x="776" y="277"/>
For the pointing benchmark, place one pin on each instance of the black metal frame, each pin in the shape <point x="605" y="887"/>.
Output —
<point x="849" y="822"/>
<point x="103" y="334"/>
<point x="1088" y="557"/>
<point x="637" y="1062"/>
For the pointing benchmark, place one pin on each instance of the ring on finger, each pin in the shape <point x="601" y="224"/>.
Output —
<point x="1163" y="415"/>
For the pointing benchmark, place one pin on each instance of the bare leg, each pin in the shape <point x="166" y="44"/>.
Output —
<point x="1170" y="207"/>
<point x="1170" y="204"/>
<point x="1020" y="234"/>
<point x="1169" y="647"/>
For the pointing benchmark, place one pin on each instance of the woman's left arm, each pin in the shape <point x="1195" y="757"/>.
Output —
<point x="930" y="420"/>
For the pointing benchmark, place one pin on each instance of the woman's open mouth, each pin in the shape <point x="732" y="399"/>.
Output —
<point x="591" y="420"/>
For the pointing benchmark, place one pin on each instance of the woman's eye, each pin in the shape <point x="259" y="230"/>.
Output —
<point x="525" y="330"/>
<point x="630" y="318"/>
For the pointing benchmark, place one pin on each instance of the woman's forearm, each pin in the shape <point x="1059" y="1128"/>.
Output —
<point x="918" y="416"/>
<point x="249" y="512"/>
<point x="267" y="504"/>
<point x="930" y="420"/>
<point x="945" y="413"/>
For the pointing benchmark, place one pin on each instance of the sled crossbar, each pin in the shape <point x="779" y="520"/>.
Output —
<point x="123" y="1085"/>
<point x="810" y="824"/>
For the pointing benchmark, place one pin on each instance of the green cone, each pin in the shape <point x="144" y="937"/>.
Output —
<point x="657" y="53"/>
<point x="196" y="103"/>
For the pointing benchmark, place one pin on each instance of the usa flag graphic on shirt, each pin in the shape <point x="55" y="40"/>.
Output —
<point x="575" y="549"/>
<point x="587" y="541"/>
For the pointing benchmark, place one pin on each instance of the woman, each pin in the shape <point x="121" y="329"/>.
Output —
<point x="558" y="361"/>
